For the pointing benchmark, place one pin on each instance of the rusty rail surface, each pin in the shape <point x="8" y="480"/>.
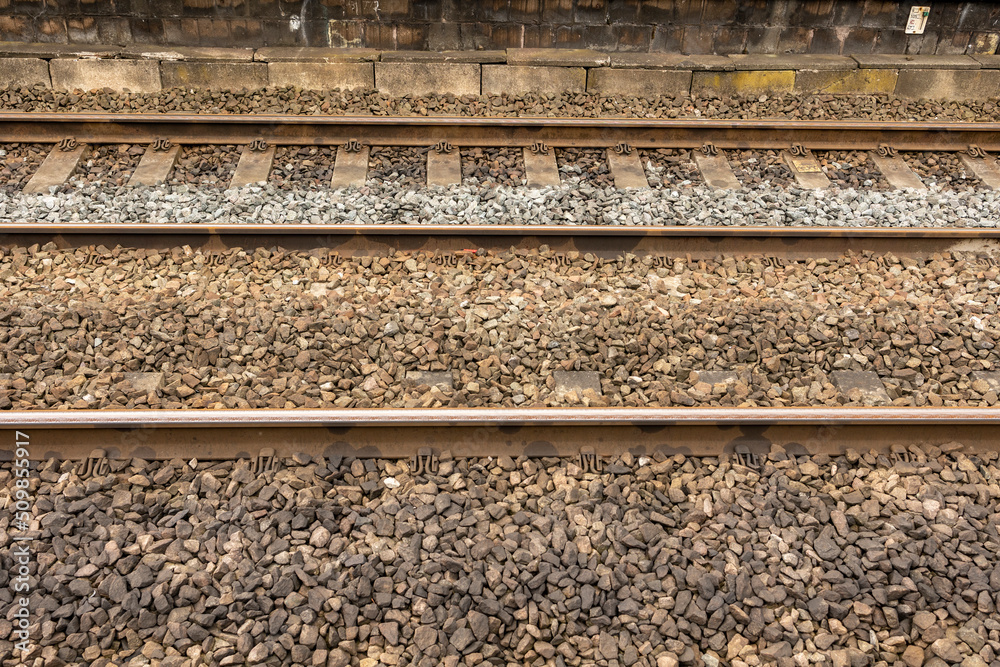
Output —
<point x="401" y="433"/>
<point x="607" y="242"/>
<point x="51" y="127"/>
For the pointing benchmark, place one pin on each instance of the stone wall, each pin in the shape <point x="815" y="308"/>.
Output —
<point x="686" y="26"/>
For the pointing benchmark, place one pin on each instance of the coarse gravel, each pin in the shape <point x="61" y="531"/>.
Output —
<point x="659" y="561"/>
<point x="943" y="169"/>
<point x="574" y="202"/>
<point x="584" y="166"/>
<point x="210" y="166"/>
<point x="404" y="166"/>
<point x="18" y="162"/>
<point x="302" y="167"/>
<point x="756" y="167"/>
<point x="851" y="169"/>
<point x="495" y="166"/>
<point x="670" y="168"/>
<point x="282" y="329"/>
<point x="359" y="102"/>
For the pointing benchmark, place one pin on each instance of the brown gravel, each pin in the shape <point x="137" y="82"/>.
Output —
<point x="500" y="166"/>
<point x="282" y="329"/>
<point x="18" y="164"/>
<point x="109" y="164"/>
<point x="403" y="166"/>
<point x="588" y="165"/>
<point x="205" y="165"/>
<point x="755" y="168"/>
<point x="336" y="561"/>
<point x="298" y="167"/>
<point x="851" y="169"/>
<point x="942" y="169"/>
<point x="670" y="168"/>
<point x="294" y="101"/>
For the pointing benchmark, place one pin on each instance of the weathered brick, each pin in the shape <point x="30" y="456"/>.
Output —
<point x="322" y="76"/>
<point x="278" y="54"/>
<point x="743" y="83"/>
<point x="985" y="43"/>
<point x="847" y="82"/>
<point x="138" y="76"/>
<point x="214" y="76"/>
<point x="397" y="79"/>
<point x="638" y="82"/>
<point x="948" y="84"/>
<point x="498" y="79"/>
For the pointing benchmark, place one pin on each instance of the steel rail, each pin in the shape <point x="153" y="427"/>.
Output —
<point x="50" y="127"/>
<point x="400" y="433"/>
<point x="600" y="231"/>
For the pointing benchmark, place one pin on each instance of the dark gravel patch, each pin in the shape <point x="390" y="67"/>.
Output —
<point x="588" y="165"/>
<point x="942" y="169"/>
<point x="205" y="165"/>
<point x="308" y="167"/>
<point x="19" y="163"/>
<point x="671" y="168"/>
<point x="405" y="166"/>
<point x="500" y="166"/>
<point x="109" y="164"/>
<point x="755" y="168"/>
<point x="851" y="169"/>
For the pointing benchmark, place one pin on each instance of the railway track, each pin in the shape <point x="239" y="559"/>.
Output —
<point x="650" y="535"/>
<point x="537" y="432"/>
<point x="258" y="135"/>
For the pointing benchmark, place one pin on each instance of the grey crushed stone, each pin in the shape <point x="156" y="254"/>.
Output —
<point x="574" y="203"/>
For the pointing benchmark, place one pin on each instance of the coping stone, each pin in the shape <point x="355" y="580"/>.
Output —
<point x="952" y="85"/>
<point x="765" y="61"/>
<point x="25" y="72"/>
<point x="493" y="56"/>
<point x="321" y="76"/>
<point x="900" y="61"/>
<point x="753" y="82"/>
<point x="518" y="79"/>
<point x="399" y="79"/>
<point x="672" y="61"/>
<point x="988" y="61"/>
<point x="188" y="53"/>
<point x="558" y="57"/>
<point x="138" y="76"/>
<point x="313" y="54"/>
<point x="610" y="81"/>
<point x="849" y="82"/>
<point x="43" y="50"/>
<point x="214" y="76"/>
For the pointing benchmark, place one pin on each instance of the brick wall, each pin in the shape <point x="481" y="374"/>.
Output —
<point x="687" y="26"/>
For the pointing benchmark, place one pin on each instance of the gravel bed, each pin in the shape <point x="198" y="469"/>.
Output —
<point x="405" y="167"/>
<point x="670" y="168"/>
<point x="571" y="203"/>
<point x="297" y="167"/>
<point x="109" y="164"/>
<point x="585" y="166"/>
<point x="294" y="101"/>
<point x="205" y="165"/>
<point x="284" y="329"/>
<point x="754" y="168"/>
<point x="664" y="562"/>
<point x="499" y="166"/>
<point x="851" y="169"/>
<point x="942" y="169"/>
<point x="18" y="163"/>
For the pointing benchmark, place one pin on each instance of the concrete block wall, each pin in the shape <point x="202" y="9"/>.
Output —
<point x="514" y="71"/>
<point x="649" y="26"/>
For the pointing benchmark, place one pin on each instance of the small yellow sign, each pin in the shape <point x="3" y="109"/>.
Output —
<point x="806" y="166"/>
